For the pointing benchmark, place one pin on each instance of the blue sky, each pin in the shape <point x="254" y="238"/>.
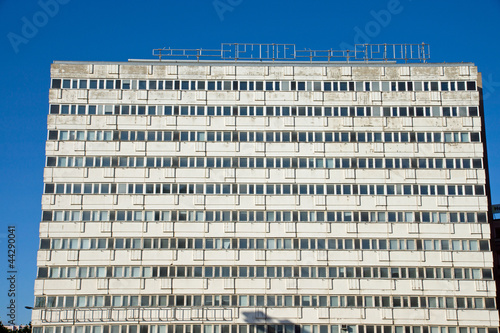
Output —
<point x="93" y="30"/>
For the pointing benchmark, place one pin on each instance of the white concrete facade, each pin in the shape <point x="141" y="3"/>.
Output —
<point x="221" y="197"/>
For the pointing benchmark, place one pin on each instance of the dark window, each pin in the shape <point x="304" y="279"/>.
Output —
<point x="471" y="85"/>
<point x="56" y="83"/>
<point x="51" y="161"/>
<point x="54" y="109"/>
<point x="484" y="245"/>
<point x="53" y="135"/>
<point x="42" y="272"/>
<point x="47" y="216"/>
<point x="44" y="244"/>
<point x="479" y="189"/>
<point x="489" y="303"/>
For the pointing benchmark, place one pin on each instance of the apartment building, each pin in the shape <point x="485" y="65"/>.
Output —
<point x="240" y="196"/>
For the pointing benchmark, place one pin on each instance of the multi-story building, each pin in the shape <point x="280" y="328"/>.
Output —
<point x="495" y="244"/>
<point x="265" y="196"/>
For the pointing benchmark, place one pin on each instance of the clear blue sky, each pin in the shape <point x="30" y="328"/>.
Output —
<point x="93" y="30"/>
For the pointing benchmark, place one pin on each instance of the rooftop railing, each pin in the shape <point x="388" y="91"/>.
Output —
<point x="288" y="52"/>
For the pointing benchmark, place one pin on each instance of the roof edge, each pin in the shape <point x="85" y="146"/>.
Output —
<point x="264" y="63"/>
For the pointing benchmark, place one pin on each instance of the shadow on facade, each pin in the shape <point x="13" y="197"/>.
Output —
<point x="261" y="318"/>
<point x="268" y="324"/>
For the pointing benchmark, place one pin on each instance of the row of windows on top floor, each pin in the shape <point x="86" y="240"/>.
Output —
<point x="251" y="136"/>
<point x="263" y="162"/>
<point x="287" y="327"/>
<point x="88" y="272"/>
<point x="264" y="216"/>
<point x="316" y="111"/>
<point x="264" y="244"/>
<point x="264" y="85"/>
<point x="263" y="189"/>
<point x="337" y="301"/>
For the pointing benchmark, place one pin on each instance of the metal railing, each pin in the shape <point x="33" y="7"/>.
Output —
<point x="146" y="314"/>
<point x="288" y="52"/>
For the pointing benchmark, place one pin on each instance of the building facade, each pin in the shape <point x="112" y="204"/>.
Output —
<point x="495" y="243"/>
<point x="249" y="197"/>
